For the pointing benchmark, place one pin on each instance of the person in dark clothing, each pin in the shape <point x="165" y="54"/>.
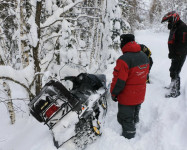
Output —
<point x="128" y="85"/>
<point x="177" y="45"/>
<point x="147" y="51"/>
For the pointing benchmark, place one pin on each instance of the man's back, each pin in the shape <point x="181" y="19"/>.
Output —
<point x="130" y="75"/>
<point x="136" y="62"/>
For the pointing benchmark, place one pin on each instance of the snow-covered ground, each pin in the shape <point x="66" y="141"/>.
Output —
<point x="163" y="121"/>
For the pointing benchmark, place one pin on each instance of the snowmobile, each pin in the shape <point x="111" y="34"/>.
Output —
<point x="75" y="114"/>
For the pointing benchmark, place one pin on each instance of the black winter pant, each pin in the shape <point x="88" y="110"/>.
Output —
<point x="128" y="116"/>
<point x="175" y="69"/>
<point x="176" y="66"/>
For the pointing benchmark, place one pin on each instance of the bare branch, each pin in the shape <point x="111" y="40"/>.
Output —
<point x="51" y="24"/>
<point x="13" y="99"/>
<point x="18" y="108"/>
<point x="55" y="36"/>
<point x="32" y="83"/>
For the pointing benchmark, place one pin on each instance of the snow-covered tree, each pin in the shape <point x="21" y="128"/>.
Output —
<point x="155" y="11"/>
<point x="160" y="8"/>
<point x="8" y="28"/>
<point x="42" y="36"/>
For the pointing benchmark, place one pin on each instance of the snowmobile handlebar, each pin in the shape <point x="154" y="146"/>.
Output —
<point x="71" y="78"/>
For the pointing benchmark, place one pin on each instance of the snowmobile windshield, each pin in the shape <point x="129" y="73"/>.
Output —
<point x="102" y="79"/>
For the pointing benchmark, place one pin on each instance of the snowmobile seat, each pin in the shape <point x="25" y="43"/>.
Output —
<point x="85" y="84"/>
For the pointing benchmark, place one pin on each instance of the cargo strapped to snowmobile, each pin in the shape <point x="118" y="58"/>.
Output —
<point x="54" y="99"/>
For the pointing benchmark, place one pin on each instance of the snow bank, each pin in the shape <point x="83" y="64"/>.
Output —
<point x="19" y="75"/>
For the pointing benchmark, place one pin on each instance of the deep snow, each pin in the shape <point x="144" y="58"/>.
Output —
<point x="162" y="123"/>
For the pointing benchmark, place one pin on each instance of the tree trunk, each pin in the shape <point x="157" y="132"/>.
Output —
<point x="36" y="49"/>
<point x="24" y="54"/>
<point x="1" y="61"/>
<point x="9" y="103"/>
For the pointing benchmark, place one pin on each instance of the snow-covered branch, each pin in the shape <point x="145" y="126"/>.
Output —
<point x="2" y="99"/>
<point x="7" y="3"/>
<point x="23" y="85"/>
<point x="82" y="16"/>
<point x="87" y="16"/>
<point x="51" y="37"/>
<point x="58" y="13"/>
<point x="52" y="23"/>
<point x="6" y="18"/>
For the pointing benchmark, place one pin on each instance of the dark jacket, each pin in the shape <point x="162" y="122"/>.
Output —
<point x="147" y="51"/>
<point x="177" y="42"/>
<point x="129" y="75"/>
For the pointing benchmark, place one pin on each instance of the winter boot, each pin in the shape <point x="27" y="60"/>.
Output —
<point x="169" y="86"/>
<point x="175" y="88"/>
<point x="174" y="95"/>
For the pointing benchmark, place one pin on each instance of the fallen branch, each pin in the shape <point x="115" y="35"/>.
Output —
<point x="31" y="95"/>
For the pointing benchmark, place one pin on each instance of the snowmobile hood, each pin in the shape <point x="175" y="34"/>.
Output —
<point x="131" y="47"/>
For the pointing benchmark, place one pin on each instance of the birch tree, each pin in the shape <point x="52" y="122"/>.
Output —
<point x="9" y="102"/>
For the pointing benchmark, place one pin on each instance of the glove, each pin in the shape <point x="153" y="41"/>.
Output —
<point x="114" y="98"/>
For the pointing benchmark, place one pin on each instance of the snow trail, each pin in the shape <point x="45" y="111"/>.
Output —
<point x="162" y="120"/>
<point x="162" y="123"/>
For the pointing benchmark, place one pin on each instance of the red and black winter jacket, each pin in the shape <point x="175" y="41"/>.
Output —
<point x="177" y="42"/>
<point x="130" y="74"/>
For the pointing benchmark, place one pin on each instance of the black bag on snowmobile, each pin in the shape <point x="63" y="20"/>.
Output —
<point x="72" y="113"/>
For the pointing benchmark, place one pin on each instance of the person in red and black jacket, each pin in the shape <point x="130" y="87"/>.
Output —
<point x="177" y="45"/>
<point x="128" y="85"/>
